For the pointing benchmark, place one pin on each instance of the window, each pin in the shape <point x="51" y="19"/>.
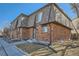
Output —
<point x="40" y="16"/>
<point x="63" y="20"/>
<point x="22" y="18"/>
<point x="44" y="28"/>
<point x="58" y="16"/>
<point x="67" y="22"/>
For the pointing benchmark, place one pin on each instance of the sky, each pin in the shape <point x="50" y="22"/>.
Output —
<point x="8" y="12"/>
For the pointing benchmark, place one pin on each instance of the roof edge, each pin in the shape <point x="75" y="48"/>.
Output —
<point x="19" y="16"/>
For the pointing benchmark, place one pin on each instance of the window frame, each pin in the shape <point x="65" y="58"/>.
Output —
<point x="39" y="17"/>
<point x="58" y="16"/>
<point x="44" y="28"/>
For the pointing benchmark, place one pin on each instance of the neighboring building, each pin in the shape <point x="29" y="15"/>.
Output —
<point x="6" y="32"/>
<point x="1" y="34"/>
<point x="75" y="34"/>
<point x="49" y="23"/>
<point x="18" y="26"/>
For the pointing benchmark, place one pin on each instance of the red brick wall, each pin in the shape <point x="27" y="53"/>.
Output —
<point x="22" y="33"/>
<point x="58" y="32"/>
<point x="14" y="34"/>
<point x="27" y="32"/>
<point x="42" y="35"/>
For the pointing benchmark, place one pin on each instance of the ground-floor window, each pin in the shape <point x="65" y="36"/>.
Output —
<point x="44" y="28"/>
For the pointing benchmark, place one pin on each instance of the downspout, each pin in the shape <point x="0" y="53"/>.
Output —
<point x="34" y="28"/>
<point x="16" y="28"/>
<point x="50" y="25"/>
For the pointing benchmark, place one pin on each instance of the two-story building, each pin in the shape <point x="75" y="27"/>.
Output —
<point x="49" y="23"/>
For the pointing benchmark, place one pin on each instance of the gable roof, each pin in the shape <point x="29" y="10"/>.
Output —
<point x="56" y="6"/>
<point x="41" y="9"/>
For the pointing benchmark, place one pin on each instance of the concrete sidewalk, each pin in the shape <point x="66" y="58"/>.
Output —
<point x="10" y="49"/>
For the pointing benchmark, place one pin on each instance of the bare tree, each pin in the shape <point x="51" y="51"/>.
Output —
<point x="75" y="8"/>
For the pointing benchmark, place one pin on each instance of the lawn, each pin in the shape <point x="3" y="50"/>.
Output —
<point x="40" y="50"/>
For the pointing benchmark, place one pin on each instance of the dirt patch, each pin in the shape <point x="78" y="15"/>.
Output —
<point x="40" y="50"/>
<point x="72" y="52"/>
<point x="29" y="47"/>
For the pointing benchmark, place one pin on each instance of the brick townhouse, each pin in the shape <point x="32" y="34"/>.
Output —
<point x="49" y="23"/>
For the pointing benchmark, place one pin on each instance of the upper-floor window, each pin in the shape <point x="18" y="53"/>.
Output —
<point x="40" y="16"/>
<point x="58" y="16"/>
<point x="22" y="18"/>
<point x="63" y="20"/>
<point x="44" y="28"/>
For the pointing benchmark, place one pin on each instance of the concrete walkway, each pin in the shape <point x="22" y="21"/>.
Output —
<point x="9" y="49"/>
<point x="2" y="52"/>
<point x="30" y="41"/>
